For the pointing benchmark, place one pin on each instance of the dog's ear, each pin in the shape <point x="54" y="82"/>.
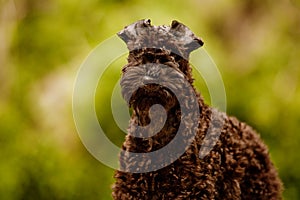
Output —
<point x="194" y="44"/>
<point x="185" y="36"/>
<point x="132" y="31"/>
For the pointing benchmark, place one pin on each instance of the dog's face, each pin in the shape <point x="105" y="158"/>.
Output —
<point x="151" y="83"/>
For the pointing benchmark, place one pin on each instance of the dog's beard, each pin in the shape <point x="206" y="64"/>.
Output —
<point x="151" y="94"/>
<point x="144" y="90"/>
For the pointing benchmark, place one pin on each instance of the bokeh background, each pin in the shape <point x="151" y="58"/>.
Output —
<point x="255" y="44"/>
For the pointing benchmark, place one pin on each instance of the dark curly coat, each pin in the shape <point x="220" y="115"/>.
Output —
<point x="237" y="167"/>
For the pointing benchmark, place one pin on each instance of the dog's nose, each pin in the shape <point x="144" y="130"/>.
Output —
<point x="148" y="79"/>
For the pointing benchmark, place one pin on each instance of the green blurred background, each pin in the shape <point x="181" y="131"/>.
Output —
<point x="254" y="43"/>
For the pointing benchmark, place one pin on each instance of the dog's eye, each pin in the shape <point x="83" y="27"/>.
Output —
<point x="163" y="59"/>
<point x="149" y="57"/>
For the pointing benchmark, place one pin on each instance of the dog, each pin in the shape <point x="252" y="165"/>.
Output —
<point x="177" y="147"/>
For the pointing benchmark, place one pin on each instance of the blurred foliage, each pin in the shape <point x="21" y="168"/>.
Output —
<point x="42" y="44"/>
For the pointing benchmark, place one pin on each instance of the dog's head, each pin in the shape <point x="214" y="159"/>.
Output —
<point x="158" y="69"/>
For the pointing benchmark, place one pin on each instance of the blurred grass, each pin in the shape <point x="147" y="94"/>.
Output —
<point x="42" y="44"/>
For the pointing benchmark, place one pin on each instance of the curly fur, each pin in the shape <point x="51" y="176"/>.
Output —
<point x="238" y="166"/>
